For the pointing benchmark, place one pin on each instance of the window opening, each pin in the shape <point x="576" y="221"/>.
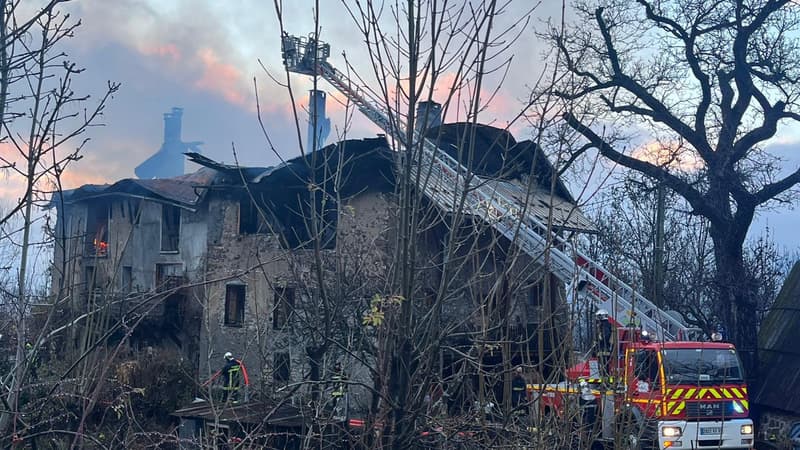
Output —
<point x="127" y="279"/>
<point x="97" y="229"/>
<point x="282" y="364"/>
<point x="168" y="276"/>
<point x="170" y="228"/>
<point x="234" y="304"/>
<point x="283" y="306"/>
<point x="251" y="217"/>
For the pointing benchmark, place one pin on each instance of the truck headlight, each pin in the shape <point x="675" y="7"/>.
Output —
<point x="672" y="431"/>
<point x="747" y="429"/>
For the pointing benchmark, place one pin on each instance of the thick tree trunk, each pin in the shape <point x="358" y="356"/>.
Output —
<point x="736" y="296"/>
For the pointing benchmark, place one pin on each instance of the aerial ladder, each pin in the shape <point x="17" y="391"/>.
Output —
<point x="447" y="179"/>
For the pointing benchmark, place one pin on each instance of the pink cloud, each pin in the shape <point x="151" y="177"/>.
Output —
<point x="671" y="154"/>
<point x="221" y="78"/>
<point x="166" y="51"/>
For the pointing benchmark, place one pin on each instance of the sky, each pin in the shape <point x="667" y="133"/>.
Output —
<point x="208" y="56"/>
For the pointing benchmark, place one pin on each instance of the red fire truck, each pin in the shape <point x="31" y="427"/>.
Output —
<point x="663" y="395"/>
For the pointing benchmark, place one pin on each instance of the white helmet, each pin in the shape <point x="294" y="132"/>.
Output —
<point x="601" y="314"/>
<point x="228" y="356"/>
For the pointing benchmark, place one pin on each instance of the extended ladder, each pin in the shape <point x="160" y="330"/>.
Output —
<point x="447" y="181"/>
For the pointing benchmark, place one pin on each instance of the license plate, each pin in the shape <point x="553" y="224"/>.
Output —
<point x="711" y="430"/>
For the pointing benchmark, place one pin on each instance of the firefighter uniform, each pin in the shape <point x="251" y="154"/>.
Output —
<point x="339" y="392"/>
<point x="233" y="374"/>
<point x="604" y="341"/>
<point x="518" y="387"/>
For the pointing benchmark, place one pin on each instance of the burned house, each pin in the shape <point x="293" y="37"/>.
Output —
<point x="776" y="399"/>
<point x="279" y="265"/>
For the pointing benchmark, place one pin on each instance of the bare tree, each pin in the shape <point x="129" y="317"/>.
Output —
<point x="711" y="81"/>
<point x="43" y="121"/>
<point x="627" y="217"/>
<point x="453" y="284"/>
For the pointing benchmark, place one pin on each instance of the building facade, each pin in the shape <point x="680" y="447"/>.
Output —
<point x="282" y="266"/>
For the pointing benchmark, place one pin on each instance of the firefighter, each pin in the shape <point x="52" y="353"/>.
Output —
<point x="233" y="373"/>
<point x="604" y="340"/>
<point x="339" y="393"/>
<point x="518" y="388"/>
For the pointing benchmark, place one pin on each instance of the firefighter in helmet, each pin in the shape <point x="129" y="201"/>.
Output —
<point x="518" y="391"/>
<point x="233" y="373"/>
<point x="604" y="340"/>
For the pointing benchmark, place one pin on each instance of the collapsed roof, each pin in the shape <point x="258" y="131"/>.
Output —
<point x="489" y="152"/>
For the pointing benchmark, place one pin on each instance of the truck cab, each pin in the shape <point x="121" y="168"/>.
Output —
<point x="687" y="395"/>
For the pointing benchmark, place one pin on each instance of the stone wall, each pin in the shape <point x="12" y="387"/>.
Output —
<point x="260" y="264"/>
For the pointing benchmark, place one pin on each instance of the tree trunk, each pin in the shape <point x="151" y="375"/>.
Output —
<point x="736" y="295"/>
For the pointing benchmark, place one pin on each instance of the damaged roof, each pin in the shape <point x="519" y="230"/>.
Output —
<point x="506" y="164"/>
<point x="779" y="354"/>
<point x="359" y="164"/>
<point x="492" y="152"/>
<point x="184" y="190"/>
<point x="280" y="415"/>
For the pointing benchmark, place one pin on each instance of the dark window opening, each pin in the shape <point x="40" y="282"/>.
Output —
<point x="134" y="210"/>
<point x="282" y="364"/>
<point x="97" y="229"/>
<point x="536" y="295"/>
<point x="174" y="313"/>
<point x="234" y="304"/>
<point x="89" y="279"/>
<point x="170" y="228"/>
<point x="252" y="217"/>
<point x="127" y="279"/>
<point x="302" y="226"/>
<point x="283" y="306"/>
<point x="169" y="276"/>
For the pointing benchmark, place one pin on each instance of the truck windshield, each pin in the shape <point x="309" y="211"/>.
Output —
<point x="697" y="365"/>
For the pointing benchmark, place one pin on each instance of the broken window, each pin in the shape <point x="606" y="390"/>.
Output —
<point x="283" y="367"/>
<point x="170" y="228"/>
<point x="302" y="226"/>
<point x="283" y="306"/>
<point x="234" y="304"/>
<point x="169" y="276"/>
<point x="251" y="217"/>
<point x="97" y="229"/>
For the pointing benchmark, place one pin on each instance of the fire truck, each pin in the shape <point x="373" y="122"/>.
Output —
<point x="677" y="391"/>
<point x="644" y="393"/>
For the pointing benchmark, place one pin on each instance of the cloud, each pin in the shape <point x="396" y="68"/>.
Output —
<point x="671" y="154"/>
<point x="167" y="51"/>
<point x="222" y="78"/>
